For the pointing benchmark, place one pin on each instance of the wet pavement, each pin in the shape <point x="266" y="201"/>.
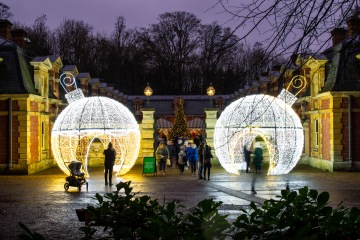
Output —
<point x="40" y="201"/>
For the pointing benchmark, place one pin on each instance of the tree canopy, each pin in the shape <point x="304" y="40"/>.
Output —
<point x="180" y="55"/>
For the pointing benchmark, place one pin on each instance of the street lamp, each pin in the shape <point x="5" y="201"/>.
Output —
<point x="210" y="91"/>
<point x="148" y="92"/>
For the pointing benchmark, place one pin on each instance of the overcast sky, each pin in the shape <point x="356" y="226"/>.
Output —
<point x="101" y="14"/>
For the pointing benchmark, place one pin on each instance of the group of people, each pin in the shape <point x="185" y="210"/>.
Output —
<point x="257" y="157"/>
<point x="183" y="155"/>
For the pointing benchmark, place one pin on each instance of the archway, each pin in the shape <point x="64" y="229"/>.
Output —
<point x="237" y="156"/>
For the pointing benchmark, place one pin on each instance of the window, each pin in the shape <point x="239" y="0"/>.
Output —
<point x="316" y="132"/>
<point x="42" y="134"/>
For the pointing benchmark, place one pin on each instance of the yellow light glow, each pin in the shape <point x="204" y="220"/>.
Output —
<point x="148" y="91"/>
<point x="259" y="115"/>
<point x="95" y="117"/>
<point x="210" y="91"/>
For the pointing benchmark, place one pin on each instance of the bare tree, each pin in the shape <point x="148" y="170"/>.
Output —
<point x="170" y="45"/>
<point x="5" y="11"/>
<point x="75" y="43"/>
<point x="99" y="56"/>
<point x="40" y="37"/>
<point x="217" y="45"/>
<point x="289" y="26"/>
<point x="125" y="60"/>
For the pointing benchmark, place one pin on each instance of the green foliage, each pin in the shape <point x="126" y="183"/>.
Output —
<point x="130" y="217"/>
<point x="302" y="214"/>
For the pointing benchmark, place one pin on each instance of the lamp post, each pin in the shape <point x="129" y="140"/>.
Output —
<point x="210" y="91"/>
<point x="148" y="92"/>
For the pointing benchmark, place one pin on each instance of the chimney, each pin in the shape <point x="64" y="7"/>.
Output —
<point x="338" y="35"/>
<point x="18" y="36"/>
<point x="5" y="28"/>
<point x="354" y="23"/>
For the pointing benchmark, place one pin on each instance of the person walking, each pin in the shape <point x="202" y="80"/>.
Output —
<point x="162" y="154"/>
<point x="187" y="149"/>
<point x="247" y="153"/>
<point x="258" y="157"/>
<point x="193" y="156"/>
<point x="110" y="155"/>
<point x="201" y="160"/>
<point x="182" y="159"/>
<point x="207" y="160"/>
<point x="172" y="153"/>
<point x="177" y="144"/>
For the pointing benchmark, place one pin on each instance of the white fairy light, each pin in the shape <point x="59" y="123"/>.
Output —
<point x="86" y="119"/>
<point x="95" y="117"/>
<point x="260" y="115"/>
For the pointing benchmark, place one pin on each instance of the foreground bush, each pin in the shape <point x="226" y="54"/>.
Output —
<point x="131" y="217"/>
<point x="294" y="215"/>
<point x="302" y="215"/>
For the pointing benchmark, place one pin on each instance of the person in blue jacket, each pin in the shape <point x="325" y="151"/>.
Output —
<point x="192" y="156"/>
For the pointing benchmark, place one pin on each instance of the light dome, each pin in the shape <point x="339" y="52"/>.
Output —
<point x="259" y="115"/>
<point x="91" y="118"/>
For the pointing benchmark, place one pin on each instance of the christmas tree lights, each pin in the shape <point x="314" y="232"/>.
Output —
<point x="180" y="125"/>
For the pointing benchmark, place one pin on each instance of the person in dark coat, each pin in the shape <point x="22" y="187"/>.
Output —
<point x="247" y="153"/>
<point x="258" y="157"/>
<point x="178" y="142"/>
<point x="172" y="153"/>
<point x="162" y="153"/>
<point x="197" y="141"/>
<point x="110" y="155"/>
<point x="207" y="160"/>
<point x="201" y="159"/>
<point x="182" y="159"/>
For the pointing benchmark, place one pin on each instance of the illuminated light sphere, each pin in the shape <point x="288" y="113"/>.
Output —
<point x="90" y="118"/>
<point x="270" y="117"/>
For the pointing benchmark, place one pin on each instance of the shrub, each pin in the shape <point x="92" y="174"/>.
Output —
<point x="131" y="217"/>
<point x="302" y="215"/>
<point x="305" y="214"/>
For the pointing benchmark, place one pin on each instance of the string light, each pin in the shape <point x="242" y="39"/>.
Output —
<point x="270" y="117"/>
<point x="87" y="119"/>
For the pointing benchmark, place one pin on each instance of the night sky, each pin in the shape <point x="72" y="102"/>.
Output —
<point x="101" y="14"/>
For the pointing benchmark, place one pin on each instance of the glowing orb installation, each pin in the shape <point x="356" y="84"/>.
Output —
<point x="86" y="119"/>
<point x="262" y="115"/>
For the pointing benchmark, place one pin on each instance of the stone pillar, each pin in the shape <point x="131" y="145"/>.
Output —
<point x="210" y="121"/>
<point x="147" y="134"/>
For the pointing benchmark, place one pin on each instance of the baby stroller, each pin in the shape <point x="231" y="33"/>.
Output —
<point x="77" y="178"/>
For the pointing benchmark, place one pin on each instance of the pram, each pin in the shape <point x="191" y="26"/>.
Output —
<point x="77" y="178"/>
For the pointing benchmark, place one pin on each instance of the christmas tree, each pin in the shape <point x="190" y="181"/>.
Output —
<point x="180" y="125"/>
